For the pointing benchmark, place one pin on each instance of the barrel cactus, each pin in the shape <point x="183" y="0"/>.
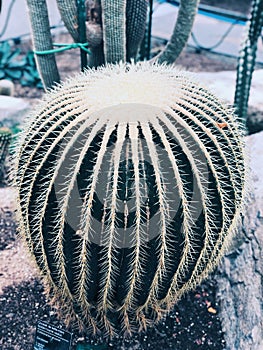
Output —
<point x="130" y="182"/>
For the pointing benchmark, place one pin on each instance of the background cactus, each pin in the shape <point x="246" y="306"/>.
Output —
<point x="114" y="31"/>
<point x="5" y="139"/>
<point x="129" y="191"/>
<point x="123" y="30"/>
<point x="247" y="58"/>
<point x="181" y="32"/>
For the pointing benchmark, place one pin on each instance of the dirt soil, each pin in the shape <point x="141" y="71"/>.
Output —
<point x="194" y="322"/>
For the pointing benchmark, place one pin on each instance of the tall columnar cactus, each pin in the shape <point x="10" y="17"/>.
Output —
<point x="5" y="139"/>
<point x="181" y="32"/>
<point x="129" y="191"/>
<point x="42" y="41"/>
<point x="247" y="58"/>
<point x="114" y="31"/>
<point x="123" y="25"/>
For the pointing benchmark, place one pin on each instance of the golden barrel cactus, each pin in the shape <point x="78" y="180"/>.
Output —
<point x="130" y="181"/>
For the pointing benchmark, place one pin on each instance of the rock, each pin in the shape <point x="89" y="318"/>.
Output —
<point x="240" y="275"/>
<point x="12" y="110"/>
<point x="8" y="198"/>
<point x="16" y="266"/>
<point x="255" y="144"/>
<point x="6" y="87"/>
<point x="254" y="120"/>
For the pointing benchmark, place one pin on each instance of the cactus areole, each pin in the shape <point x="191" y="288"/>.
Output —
<point x="130" y="182"/>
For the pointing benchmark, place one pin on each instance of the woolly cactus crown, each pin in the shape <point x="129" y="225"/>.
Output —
<point x="130" y="179"/>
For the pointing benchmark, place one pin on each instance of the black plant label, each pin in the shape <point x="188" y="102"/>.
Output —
<point x="50" y="337"/>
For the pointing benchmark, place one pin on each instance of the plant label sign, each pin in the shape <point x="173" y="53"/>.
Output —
<point x="49" y="337"/>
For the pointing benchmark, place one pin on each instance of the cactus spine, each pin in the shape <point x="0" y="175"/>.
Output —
<point x="5" y="139"/>
<point x="247" y="58"/>
<point x="128" y="191"/>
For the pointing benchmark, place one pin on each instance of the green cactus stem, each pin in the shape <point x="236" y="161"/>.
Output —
<point x="69" y="15"/>
<point x="114" y="32"/>
<point x="181" y="32"/>
<point x="247" y="58"/>
<point x="136" y="14"/>
<point x="128" y="192"/>
<point x="5" y="139"/>
<point x="124" y="27"/>
<point x="42" y="41"/>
